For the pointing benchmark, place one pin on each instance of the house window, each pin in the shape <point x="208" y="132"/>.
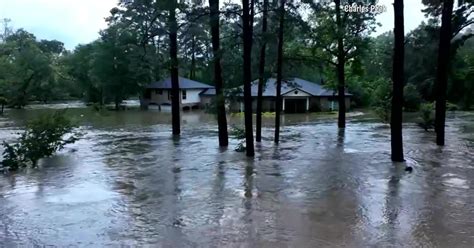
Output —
<point x="159" y="92"/>
<point x="184" y="94"/>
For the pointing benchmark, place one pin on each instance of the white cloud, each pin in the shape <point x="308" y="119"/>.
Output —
<point x="412" y="13"/>
<point x="70" y="21"/>
<point x="79" y="21"/>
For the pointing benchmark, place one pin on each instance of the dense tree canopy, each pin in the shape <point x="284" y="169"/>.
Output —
<point x="133" y="51"/>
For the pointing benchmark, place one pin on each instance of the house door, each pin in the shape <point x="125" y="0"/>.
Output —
<point x="295" y="105"/>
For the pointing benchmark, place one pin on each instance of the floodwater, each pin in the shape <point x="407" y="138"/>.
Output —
<point x="127" y="182"/>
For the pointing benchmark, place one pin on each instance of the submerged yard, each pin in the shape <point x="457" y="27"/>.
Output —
<point x="128" y="182"/>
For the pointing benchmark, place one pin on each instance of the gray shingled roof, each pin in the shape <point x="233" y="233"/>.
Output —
<point x="184" y="83"/>
<point x="311" y="88"/>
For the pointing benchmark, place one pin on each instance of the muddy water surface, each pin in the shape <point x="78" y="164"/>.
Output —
<point x="128" y="182"/>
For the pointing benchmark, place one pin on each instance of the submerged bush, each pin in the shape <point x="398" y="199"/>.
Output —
<point x="426" y="112"/>
<point x="239" y="134"/>
<point x="42" y="138"/>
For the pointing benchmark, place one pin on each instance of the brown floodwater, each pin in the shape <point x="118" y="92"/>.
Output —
<point x="128" y="182"/>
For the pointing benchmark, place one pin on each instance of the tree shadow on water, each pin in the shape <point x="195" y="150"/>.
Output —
<point x="393" y="206"/>
<point x="341" y="135"/>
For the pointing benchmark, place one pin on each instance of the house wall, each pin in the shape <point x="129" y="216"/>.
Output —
<point x="234" y="106"/>
<point x="325" y="103"/>
<point x="315" y="104"/>
<point x="192" y="97"/>
<point x="157" y="98"/>
<point x="268" y="104"/>
<point x="206" y="100"/>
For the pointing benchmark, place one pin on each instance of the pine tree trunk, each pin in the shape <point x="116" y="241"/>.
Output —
<point x="220" y="100"/>
<point x="247" y="39"/>
<point x="192" y="73"/>
<point x="175" y="103"/>
<point x="398" y="82"/>
<point x="341" y="61"/>
<point x="442" y="72"/>
<point x="261" y="73"/>
<point x="279" y="71"/>
<point x="252" y="15"/>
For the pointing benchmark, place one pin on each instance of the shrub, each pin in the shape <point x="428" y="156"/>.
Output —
<point x="412" y="98"/>
<point x="239" y="134"/>
<point x="382" y="100"/>
<point x="426" y="112"/>
<point x="360" y="94"/>
<point x="42" y="138"/>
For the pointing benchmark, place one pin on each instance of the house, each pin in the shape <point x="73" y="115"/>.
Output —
<point x="298" y="96"/>
<point x="159" y="93"/>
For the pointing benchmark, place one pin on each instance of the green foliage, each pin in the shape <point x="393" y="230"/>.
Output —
<point x="461" y="87"/>
<point x="360" y="89"/>
<point x="25" y="66"/>
<point x="420" y="67"/>
<point x="239" y="134"/>
<point x="354" y="29"/>
<point x="412" y="98"/>
<point x="42" y="138"/>
<point x="32" y="69"/>
<point x="377" y="60"/>
<point x="134" y="51"/>
<point x="382" y="100"/>
<point x="426" y="114"/>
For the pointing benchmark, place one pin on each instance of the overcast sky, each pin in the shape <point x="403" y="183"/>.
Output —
<point x="79" y="21"/>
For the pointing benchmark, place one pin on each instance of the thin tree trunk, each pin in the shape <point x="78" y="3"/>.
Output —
<point x="220" y="100"/>
<point x="252" y="15"/>
<point x="247" y="56"/>
<point x="192" y="73"/>
<point x="398" y="78"/>
<point x="279" y="71"/>
<point x="3" y="107"/>
<point x="442" y="72"/>
<point x="341" y="61"/>
<point x="261" y="73"/>
<point x="175" y="102"/>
